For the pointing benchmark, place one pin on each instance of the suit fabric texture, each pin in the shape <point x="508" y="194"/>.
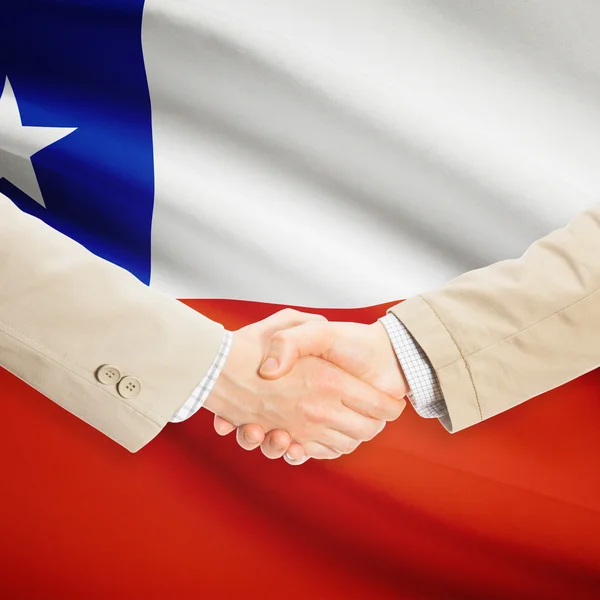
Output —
<point x="500" y="335"/>
<point x="65" y="314"/>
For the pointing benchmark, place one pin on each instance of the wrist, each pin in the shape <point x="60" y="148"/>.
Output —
<point x="388" y="364"/>
<point x="231" y="397"/>
<point x="214" y="401"/>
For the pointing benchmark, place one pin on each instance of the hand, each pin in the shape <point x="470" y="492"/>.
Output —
<point x="326" y="410"/>
<point x="364" y="351"/>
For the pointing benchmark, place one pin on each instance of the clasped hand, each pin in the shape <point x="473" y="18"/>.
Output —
<point x="298" y="385"/>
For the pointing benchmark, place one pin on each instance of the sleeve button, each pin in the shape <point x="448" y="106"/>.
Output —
<point x="129" y="387"/>
<point x="108" y="374"/>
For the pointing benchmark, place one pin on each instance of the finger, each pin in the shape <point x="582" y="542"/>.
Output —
<point x="288" y="345"/>
<point x="379" y="406"/>
<point x="276" y="443"/>
<point x="353" y="425"/>
<point x="295" y="454"/>
<point x="294" y="462"/>
<point x="250" y="437"/>
<point x="337" y="441"/>
<point x="320" y="451"/>
<point x="329" y="382"/>
<point x="364" y="399"/>
<point x="223" y="427"/>
<point x="295" y="459"/>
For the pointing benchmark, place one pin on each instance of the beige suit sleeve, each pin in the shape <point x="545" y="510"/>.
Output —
<point x="65" y="312"/>
<point x="503" y="334"/>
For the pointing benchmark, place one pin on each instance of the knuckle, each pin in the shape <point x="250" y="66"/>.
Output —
<point x="375" y="409"/>
<point x="279" y="336"/>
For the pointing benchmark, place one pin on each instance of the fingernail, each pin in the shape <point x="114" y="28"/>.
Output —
<point x="289" y="457"/>
<point x="270" y="365"/>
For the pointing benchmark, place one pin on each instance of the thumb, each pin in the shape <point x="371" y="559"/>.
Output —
<point x="289" y="345"/>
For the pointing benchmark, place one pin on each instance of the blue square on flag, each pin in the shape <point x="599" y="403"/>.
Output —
<point x="75" y="123"/>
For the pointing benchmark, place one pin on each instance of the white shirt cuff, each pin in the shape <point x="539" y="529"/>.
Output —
<point x="425" y="392"/>
<point x="195" y="402"/>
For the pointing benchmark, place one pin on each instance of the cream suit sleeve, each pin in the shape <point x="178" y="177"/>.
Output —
<point x="500" y="335"/>
<point x="65" y="313"/>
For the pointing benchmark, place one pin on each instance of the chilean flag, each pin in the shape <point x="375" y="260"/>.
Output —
<point x="246" y="155"/>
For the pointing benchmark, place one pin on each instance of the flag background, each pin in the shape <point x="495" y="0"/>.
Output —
<point x="323" y="154"/>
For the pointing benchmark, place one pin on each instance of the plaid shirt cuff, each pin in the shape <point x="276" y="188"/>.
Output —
<point x="425" y="392"/>
<point x="200" y="394"/>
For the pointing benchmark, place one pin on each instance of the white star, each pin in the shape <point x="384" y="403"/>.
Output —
<point x="19" y="143"/>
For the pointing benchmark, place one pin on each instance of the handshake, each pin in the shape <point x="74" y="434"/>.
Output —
<point x="301" y="387"/>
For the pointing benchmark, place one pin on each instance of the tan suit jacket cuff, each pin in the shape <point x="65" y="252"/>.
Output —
<point x="445" y="357"/>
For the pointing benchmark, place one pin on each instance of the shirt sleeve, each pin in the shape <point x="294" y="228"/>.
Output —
<point x="195" y="402"/>
<point x="425" y="392"/>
